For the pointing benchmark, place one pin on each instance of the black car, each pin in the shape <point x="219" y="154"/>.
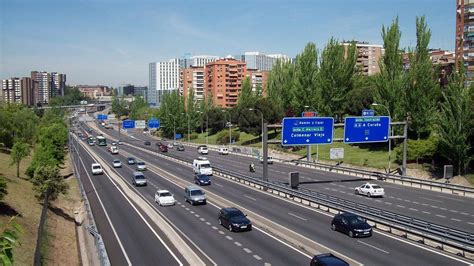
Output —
<point x="147" y="143"/>
<point x="131" y="160"/>
<point x="158" y="143"/>
<point x="234" y="219"/>
<point x="180" y="147"/>
<point x="351" y="224"/>
<point x="327" y="259"/>
<point x="202" y="180"/>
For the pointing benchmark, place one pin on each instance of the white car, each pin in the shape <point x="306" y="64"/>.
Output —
<point x="114" y="150"/>
<point x="97" y="169"/>
<point x="269" y="159"/>
<point x="164" y="198"/>
<point x="117" y="163"/>
<point x="223" y="151"/>
<point x="203" y="150"/>
<point x="370" y="190"/>
<point x="170" y="146"/>
<point x="141" y="166"/>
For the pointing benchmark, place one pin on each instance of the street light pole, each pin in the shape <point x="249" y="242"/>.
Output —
<point x="389" y="130"/>
<point x="261" y="116"/>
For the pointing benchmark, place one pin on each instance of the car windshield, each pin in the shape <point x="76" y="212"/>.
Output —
<point x="376" y="187"/>
<point x="96" y="167"/>
<point x="139" y="177"/>
<point x="196" y="193"/>
<point x="203" y="177"/>
<point x="205" y="165"/>
<point x="131" y="159"/>
<point x="116" y="161"/>
<point x="141" y="163"/>
<point x="356" y="220"/>
<point x="236" y="213"/>
<point x="165" y="194"/>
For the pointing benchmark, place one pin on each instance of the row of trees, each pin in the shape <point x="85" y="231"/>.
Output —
<point x="328" y="81"/>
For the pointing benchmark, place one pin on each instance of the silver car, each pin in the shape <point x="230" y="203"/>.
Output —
<point x="141" y="166"/>
<point x="194" y="195"/>
<point x="138" y="179"/>
<point x="117" y="163"/>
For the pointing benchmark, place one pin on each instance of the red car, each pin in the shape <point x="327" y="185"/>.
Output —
<point x="163" y="148"/>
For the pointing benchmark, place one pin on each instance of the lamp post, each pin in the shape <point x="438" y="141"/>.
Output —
<point x="308" y="148"/>
<point x="207" y="126"/>
<point x="261" y="116"/>
<point x="389" y="130"/>
<point x="230" y="127"/>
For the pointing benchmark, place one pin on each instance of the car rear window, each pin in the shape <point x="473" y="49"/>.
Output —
<point x="96" y="167"/>
<point x="376" y="187"/>
<point x="166" y="194"/>
<point x="139" y="177"/>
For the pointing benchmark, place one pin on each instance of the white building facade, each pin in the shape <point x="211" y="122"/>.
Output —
<point x="163" y="78"/>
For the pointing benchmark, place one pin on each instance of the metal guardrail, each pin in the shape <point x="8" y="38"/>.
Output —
<point x="455" y="189"/>
<point x="99" y="242"/>
<point x="435" y="232"/>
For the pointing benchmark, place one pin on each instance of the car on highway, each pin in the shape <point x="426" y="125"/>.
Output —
<point x="351" y="224"/>
<point x="117" y="163"/>
<point x="180" y="147"/>
<point x="97" y="169"/>
<point x="202" y="149"/>
<point x="194" y="195"/>
<point x="223" y="151"/>
<point x="201" y="165"/>
<point x="114" y="143"/>
<point x="269" y="159"/>
<point x="327" y="259"/>
<point x="163" y="148"/>
<point x="131" y="160"/>
<point x="159" y="143"/>
<point x="202" y="180"/>
<point x="113" y="150"/>
<point x="370" y="190"/>
<point x="138" y="179"/>
<point x="170" y="145"/>
<point x="164" y="198"/>
<point x="234" y="219"/>
<point x="147" y="143"/>
<point x="119" y="142"/>
<point x="89" y="130"/>
<point x="141" y="166"/>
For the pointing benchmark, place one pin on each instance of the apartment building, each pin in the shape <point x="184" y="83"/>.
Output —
<point x="58" y="84"/>
<point x="163" y="78"/>
<point x="18" y="90"/>
<point x="260" y="61"/>
<point x="258" y="80"/>
<point x="192" y="78"/>
<point x="223" y="80"/>
<point x="368" y="57"/>
<point x="43" y="83"/>
<point x="464" y="48"/>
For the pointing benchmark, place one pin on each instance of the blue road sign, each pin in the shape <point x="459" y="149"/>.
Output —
<point x="153" y="123"/>
<point x="368" y="112"/>
<point x="307" y="130"/>
<point x="178" y="136"/>
<point x="102" y="117"/>
<point x="366" y="129"/>
<point x="128" y="124"/>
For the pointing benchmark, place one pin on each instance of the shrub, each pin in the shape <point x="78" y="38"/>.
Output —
<point x="223" y="137"/>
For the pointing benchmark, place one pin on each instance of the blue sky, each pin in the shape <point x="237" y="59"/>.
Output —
<point x="111" y="42"/>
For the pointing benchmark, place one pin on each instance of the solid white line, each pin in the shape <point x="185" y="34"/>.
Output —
<point x="250" y="198"/>
<point x="294" y="215"/>
<point x="105" y="212"/>
<point x="374" y="247"/>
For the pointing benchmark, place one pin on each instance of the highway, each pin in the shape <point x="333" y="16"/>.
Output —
<point x="199" y="225"/>
<point x="441" y="208"/>
<point x="375" y="250"/>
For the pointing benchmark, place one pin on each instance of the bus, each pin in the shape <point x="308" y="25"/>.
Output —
<point x="101" y="141"/>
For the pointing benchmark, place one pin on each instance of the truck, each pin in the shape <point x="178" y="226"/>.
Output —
<point x="201" y="165"/>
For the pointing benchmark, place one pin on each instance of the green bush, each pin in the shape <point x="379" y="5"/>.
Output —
<point x="194" y="135"/>
<point x="3" y="187"/>
<point x="223" y="137"/>
<point x="418" y="149"/>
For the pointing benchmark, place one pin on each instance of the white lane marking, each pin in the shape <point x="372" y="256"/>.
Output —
<point x="219" y="185"/>
<point x="453" y="211"/>
<point x="247" y="250"/>
<point x="208" y="223"/>
<point x="250" y="198"/>
<point x="426" y="212"/>
<point x="229" y="237"/>
<point x="389" y="203"/>
<point x="454" y="219"/>
<point x="444" y="209"/>
<point x="222" y="233"/>
<point x="430" y="199"/>
<point x="464" y="213"/>
<point x="202" y="219"/>
<point x="374" y="247"/>
<point x="449" y="198"/>
<point x="215" y="228"/>
<point x="413" y="209"/>
<point x="267" y="264"/>
<point x="105" y="212"/>
<point x="192" y="212"/>
<point x="432" y="206"/>
<point x="197" y="215"/>
<point x="470" y="223"/>
<point x="238" y="244"/>
<point x="257" y="257"/>
<point x="439" y="215"/>
<point x="299" y="217"/>
<point x="416" y="202"/>
<point x="401" y="206"/>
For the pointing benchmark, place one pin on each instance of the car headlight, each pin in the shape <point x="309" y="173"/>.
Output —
<point x="359" y="230"/>
<point x="234" y="224"/>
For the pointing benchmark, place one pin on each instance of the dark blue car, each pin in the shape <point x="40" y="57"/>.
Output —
<point x="202" y="180"/>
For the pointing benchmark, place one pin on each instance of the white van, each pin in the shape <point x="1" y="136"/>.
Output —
<point x="202" y="166"/>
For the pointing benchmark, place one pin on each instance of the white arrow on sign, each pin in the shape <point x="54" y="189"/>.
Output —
<point x="285" y="141"/>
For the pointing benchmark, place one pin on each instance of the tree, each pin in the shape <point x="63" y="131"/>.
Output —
<point x="48" y="182"/>
<point x="3" y="187"/>
<point x="8" y="240"/>
<point x="455" y="124"/>
<point x="19" y="151"/>
<point x="361" y="96"/>
<point x="305" y="88"/>
<point x="138" y="108"/>
<point x="170" y="113"/>
<point x="390" y="83"/>
<point x="246" y="94"/>
<point x="119" y="106"/>
<point x="336" y="77"/>
<point x="280" y="84"/>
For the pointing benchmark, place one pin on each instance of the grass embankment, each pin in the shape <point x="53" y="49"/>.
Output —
<point x="59" y="246"/>
<point x="369" y="155"/>
<point x="20" y="201"/>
